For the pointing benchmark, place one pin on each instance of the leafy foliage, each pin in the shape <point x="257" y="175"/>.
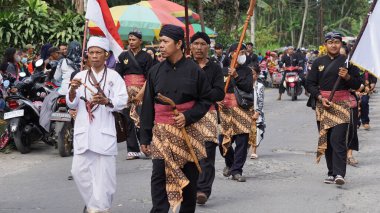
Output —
<point x="33" y="21"/>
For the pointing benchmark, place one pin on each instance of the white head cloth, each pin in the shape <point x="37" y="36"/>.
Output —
<point x="99" y="42"/>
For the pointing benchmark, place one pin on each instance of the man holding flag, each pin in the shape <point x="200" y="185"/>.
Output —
<point x="333" y="110"/>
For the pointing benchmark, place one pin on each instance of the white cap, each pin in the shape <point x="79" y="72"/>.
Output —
<point x="99" y="42"/>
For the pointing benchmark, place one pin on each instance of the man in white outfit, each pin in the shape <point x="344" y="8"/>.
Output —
<point x="95" y="146"/>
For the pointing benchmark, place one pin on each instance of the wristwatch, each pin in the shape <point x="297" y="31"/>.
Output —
<point x="109" y="104"/>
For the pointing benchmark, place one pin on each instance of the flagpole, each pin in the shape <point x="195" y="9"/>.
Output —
<point x="84" y="43"/>
<point x="187" y="27"/>
<point x="354" y="48"/>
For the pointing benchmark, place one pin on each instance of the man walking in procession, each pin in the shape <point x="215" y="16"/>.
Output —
<point x="95" y="94"/>
<point x="133" y="66"/>
<point x="174" y="175"/>
<point x="200" y="45"/>
<point x="333" y="117"/>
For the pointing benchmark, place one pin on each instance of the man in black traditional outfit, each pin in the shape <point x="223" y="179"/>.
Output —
<point x="236" y="122"/>
<point x="200" y="45"/>
<point x="133" y="66"/>
<point x="174" y="175"/>
<point x="333" y="117"/>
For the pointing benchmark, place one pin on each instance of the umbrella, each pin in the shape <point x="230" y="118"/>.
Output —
<point x="170" y="7"/>
<point x="135" y="17"/>
<point x="144" y="19"/>
<point x="209" y="32"/>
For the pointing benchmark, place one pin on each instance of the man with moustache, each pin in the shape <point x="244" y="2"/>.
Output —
<point x="200" y="45"/>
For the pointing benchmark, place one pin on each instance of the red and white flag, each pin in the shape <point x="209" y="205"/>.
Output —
<point x="99" y="13"/>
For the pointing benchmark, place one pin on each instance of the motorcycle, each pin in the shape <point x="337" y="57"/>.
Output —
<point x="292" y="82"/>
<point x="23" y="110"/>
<point x="276" y="78"/>
<point x="62" y="127"/>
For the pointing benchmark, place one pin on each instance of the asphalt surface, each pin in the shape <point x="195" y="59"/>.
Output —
<point x="285" y="177"/>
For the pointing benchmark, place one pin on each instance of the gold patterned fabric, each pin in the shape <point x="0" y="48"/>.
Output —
<point x="338" y="113"/>
<point x="169" y="144"/>
<point x="253" y="135"/>
<point x="234" y="121"/>
<point x="208" y="126"/>
<point x="132" y="92"/>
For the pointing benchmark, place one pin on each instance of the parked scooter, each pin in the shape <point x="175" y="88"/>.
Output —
<point x="292" y="82"/>
<point x="23" y="110"/>
<point x="62" y="127"/>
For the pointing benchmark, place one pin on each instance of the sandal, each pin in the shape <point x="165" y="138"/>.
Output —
<point x="254" y="156"/>
<point x="352" y="161"/>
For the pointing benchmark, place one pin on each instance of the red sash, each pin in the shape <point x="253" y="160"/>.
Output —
<point x="212" y="107"/>
<point x="230" y="100"/>
<point x="339" y="96"/>
<point x="164" y="113"/>
<point x="134" y="80"/>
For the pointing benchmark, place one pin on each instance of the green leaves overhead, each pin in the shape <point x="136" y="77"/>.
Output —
<point x="33" y="21"/>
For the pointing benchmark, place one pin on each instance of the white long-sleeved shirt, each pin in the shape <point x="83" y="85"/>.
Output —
<point x="100" y="135"/>
<point x="62" y="76"/>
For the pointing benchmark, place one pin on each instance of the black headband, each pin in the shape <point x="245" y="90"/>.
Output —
<point x="174" y="32"/>
<point x="201" y="35"/>
<point x="234" y="47"/>
<point x="136" y="33"/>
<point x="333" y="35"/>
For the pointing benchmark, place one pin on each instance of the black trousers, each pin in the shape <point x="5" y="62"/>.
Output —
<point x="206" y="178"/>
<point x="353" y="140"/>
<point x="336" y="153"/>
<point x="158" y="188"/>
<point x="364" y="116"/>
<point x="235" y="159"/>
<point x="132" y="133"/>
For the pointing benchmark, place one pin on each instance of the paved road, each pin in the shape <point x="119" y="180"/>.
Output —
<point x="285" y="178"/>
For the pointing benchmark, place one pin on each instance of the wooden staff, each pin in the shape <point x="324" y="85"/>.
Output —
<point x="242" y="36"/>
<point x="187" y="28"/>
<point x="84" y="43"/>
<point x="354" y="48"/>
<point x="167" y="100"/>
<point x="89" y="89"/>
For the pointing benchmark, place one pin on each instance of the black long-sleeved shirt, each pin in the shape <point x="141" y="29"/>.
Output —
<point x="215" y="77"/>
<point x="292" y="60"/>
<point x="244" y="81"/>
<point x="317" y="80"/>
<point x="182" y="82"/>
<point x="127" y="66"/>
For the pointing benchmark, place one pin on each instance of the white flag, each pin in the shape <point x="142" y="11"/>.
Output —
<point x="367" y="53"/>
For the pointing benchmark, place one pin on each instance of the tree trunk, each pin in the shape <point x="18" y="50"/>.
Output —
<point x="79" y="5"/>
<point x="253" y="25"/>
<point x="342" y="12"/>
<point x="201" y="15"/>
<point x="300" y="41"/>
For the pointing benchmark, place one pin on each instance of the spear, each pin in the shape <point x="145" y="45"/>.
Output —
<point x="242" y="36"/>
